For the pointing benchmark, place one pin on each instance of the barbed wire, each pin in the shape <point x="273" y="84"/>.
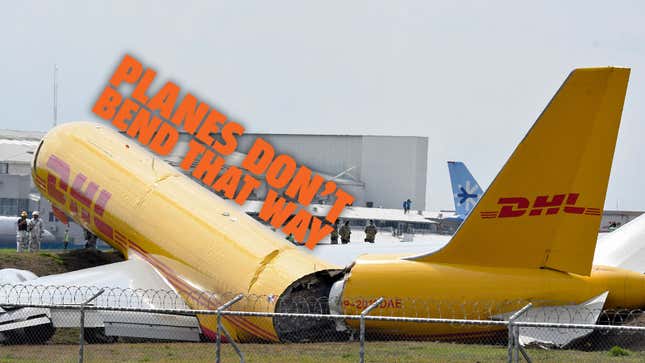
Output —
<point x="557" y="312"/>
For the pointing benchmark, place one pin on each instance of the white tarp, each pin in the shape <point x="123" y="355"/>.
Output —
<point x="584" y="313"/>
<point x="132" y="283"/>
<point x="15" y="276"/>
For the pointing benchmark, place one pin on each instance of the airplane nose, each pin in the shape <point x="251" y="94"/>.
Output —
<point x="34" y="161"/>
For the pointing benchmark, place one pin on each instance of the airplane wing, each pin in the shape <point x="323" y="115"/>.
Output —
<point x="129" y="284"/>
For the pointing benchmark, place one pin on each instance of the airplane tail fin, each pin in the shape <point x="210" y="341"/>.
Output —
<point x="544" y="207"/>
<point x="465" y="189"/>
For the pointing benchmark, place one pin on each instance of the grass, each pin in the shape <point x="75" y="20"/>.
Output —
<point x="54" y="256"/>
<point x="55" y="262"/>
<point x="307" y="353"/>
<point x="43" y="263"/>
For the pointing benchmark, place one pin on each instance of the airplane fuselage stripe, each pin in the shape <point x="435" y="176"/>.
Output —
<point x="180" y="284"/>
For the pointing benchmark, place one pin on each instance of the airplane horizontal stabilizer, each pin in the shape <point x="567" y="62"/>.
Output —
<point x="544" y="208"/>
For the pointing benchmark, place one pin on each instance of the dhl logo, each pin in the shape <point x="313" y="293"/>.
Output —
<point x="79" y="196"/>
<point x="542" y="205"/>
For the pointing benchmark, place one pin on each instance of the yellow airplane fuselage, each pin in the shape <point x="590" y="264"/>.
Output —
<point x="422" y="289"/>
<point x="147" y="209"/>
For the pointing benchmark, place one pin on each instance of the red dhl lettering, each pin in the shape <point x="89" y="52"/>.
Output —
<point x="512" y="207"/>
<point x="79" y="198"/>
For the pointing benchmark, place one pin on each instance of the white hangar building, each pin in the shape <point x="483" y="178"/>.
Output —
<point x="379" y="171"/>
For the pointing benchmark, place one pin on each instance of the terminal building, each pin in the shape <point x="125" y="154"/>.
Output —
<point x="379" y="171"/>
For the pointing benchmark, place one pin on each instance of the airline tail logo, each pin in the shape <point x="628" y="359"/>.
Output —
<point x="465" y="190"/>
<point x="468" y="195"/>
<point x="512" y="207"/>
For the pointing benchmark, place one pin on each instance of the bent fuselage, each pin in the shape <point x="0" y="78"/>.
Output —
<point x="143" y="206"/>
<point x="202" y="243"/>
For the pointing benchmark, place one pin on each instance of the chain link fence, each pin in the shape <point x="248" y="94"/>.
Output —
<point x="66" y="323"/>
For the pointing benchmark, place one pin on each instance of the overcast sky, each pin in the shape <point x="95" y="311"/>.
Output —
<point x="471" y="76"/>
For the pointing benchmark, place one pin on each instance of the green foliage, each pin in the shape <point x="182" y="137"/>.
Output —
<point x="54" y="256"/>
<point x="617" y="351"/>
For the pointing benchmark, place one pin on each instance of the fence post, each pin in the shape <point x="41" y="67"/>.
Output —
<point x="514" y="335"/>
<point x="362" y="327"/>
<point x="519" y="348"/>
<point x="220" y="329"/>
<point x="81" y="351"/>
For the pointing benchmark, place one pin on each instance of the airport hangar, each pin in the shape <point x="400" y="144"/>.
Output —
<point x="379" y="171"/>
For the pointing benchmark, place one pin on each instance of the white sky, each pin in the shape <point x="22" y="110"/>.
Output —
<point x="472" y="76"/>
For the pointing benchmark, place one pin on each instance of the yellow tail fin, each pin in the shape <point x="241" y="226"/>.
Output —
<point x="544" y="208"/>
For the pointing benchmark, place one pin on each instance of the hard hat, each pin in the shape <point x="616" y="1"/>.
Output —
<point x="23" y="214"/>
<point x="35" y="213"/>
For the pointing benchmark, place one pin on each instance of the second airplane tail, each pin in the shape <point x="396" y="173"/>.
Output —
<point x="465" y="189"/>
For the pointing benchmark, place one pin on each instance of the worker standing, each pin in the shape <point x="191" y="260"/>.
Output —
<point x="22" y="237"/>
<point x="334" y="233"/>
<point x="370" y="232"/>
<point x="345" y="233"/>
<point x="35" y="228"/>
<point x="90" y="239"/>
<point x="66" y="236"/>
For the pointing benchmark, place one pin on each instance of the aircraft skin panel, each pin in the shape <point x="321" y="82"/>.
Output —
<point x="198" y="241"/>
<point x="544" y="207"/>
